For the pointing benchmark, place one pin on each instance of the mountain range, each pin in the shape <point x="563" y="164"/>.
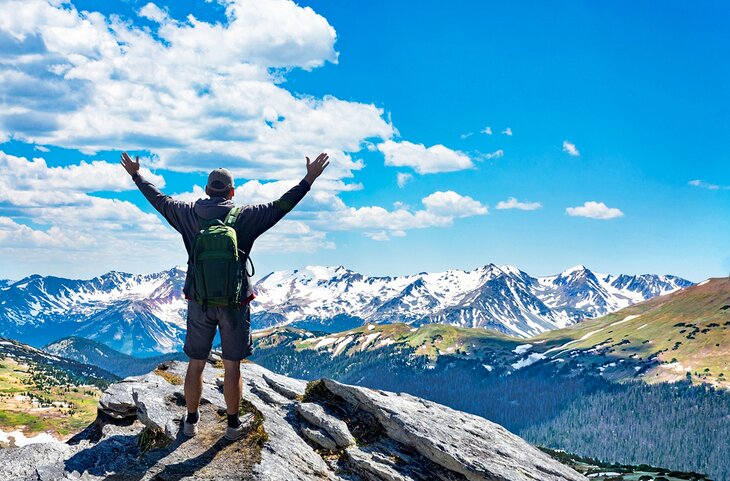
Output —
<point x="663" y="339"/>
<point x="502" y="298"/>
<point x="144" y="315"/>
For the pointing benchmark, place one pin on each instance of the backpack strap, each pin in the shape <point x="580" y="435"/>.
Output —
<point x="232" y="216"/>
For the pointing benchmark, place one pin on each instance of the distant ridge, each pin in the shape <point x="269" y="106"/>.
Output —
<point x="144" y="315"/>
<point x="98" y="354"/>
<point x="502" y="298"/>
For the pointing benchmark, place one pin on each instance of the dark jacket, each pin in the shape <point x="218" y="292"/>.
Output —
<point x="253" y="220"/>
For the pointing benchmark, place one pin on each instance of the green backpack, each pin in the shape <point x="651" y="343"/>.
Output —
<point x="218" y="263"/>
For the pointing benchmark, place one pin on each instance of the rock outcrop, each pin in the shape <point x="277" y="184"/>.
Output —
<point x="321" y="431"/>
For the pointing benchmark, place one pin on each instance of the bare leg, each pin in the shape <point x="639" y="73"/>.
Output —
<point x="232" y="385"/>
<point x="194" y="384"/>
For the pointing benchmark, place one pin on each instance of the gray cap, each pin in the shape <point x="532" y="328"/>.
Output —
<point x="220" y="181"/>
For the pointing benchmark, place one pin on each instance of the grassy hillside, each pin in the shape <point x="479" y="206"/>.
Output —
<point x="41" y="393"/>
<point x="668" y="338"/>
<point x="681" y="335"/>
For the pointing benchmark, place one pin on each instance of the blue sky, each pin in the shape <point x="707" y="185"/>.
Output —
<point x="617" y="158"/>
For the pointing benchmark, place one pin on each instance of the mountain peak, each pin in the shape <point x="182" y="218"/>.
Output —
<point x="508" y="269"/>
<point x="575" y="269"/>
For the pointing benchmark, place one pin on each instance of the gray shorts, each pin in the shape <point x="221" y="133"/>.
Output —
<point x="234" y="324"/>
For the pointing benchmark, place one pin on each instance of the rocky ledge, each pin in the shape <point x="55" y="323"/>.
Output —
<point x="323" y="430"/>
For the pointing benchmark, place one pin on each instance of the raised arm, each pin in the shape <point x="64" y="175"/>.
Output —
<point x="172" y="210"/>
<point x="264" y="216"/>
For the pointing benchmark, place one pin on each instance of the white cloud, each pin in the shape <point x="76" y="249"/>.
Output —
<point x="424" y="160"/>
<point x="594" y="210"/>
<point x="507" y="131"/>
<point x="403" y="178"/>
<point x="707" y="185"/>
<point x="513" y="203"/>
<point x="49" y="221"/>
<point x="380" y="235"/>
<point x="19" y="173"/>
<point x="570" y="148"/>
<point x="488" y="130"/>
<point x="499" y="153"/>
<point x="466" y="135"/>
<point x="451" y="204"/>
<point x="154" y="13"/>
<point x="195" y="94"/>
<point x="41" y="148"/>
<point x="440" y="210"/>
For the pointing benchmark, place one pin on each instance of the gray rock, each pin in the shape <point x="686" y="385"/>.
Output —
<point x="42" y="461"/>
<point x="286" y="455"/>
<point x="286" y="386"/>
<point x="117" y="400"/>
<point x="337" y="429"/>
<point x="413" y="440"/>
<point x="157" y="414"/>
<point x="320" y="438"/>
<point x="374" y="466"/>
<point x="464" y="443"/>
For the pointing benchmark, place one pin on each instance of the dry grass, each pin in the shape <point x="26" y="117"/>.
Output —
<point x="172" y="378"/>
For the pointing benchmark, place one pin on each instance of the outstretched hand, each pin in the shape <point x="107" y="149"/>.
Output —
<point x="315" y="169"/>
<point x="131" y="166"/>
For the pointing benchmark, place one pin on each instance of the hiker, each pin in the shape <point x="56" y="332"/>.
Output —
<point x="217" y="294"/>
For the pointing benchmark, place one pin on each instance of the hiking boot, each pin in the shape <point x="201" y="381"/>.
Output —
<point x="234" y="434"/>
<point x="189" y="429"/>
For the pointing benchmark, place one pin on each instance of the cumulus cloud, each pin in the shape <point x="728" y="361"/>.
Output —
<point x="570" y="148"/>
<point x="19" y="173"/>
<point x="422" y="159"/>
<point x="708" y="185"/>
<point x="49" y="219"/>
<point x="507" y="131"/>
<point x="488" y="131"/>
<point x="451" y="204"/>
<point x="403" y="178"/>
<point x="594" y="210"/>
<point x="195" y="94"/>
<point x="513" y="203"/>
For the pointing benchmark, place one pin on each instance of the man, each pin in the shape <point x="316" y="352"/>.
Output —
<point x="233" y="321"/>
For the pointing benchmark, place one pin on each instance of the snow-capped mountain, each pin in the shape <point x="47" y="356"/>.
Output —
<point x="134" y="314"/>
<point x="143" y="315"/>
<point x="497" y="297"/>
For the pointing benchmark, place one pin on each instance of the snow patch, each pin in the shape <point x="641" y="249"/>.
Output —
<point x="19" y="439"/>
<point x="368" y="339"/>
<point x="522" y="348"/>
<point x="342" y="344"/>
<point x="325" y="342"/>
<point x="529" y="360"/>
<point x="625" y="319"/>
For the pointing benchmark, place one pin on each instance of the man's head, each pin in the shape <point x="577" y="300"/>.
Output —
<point x="220" y="184"/>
